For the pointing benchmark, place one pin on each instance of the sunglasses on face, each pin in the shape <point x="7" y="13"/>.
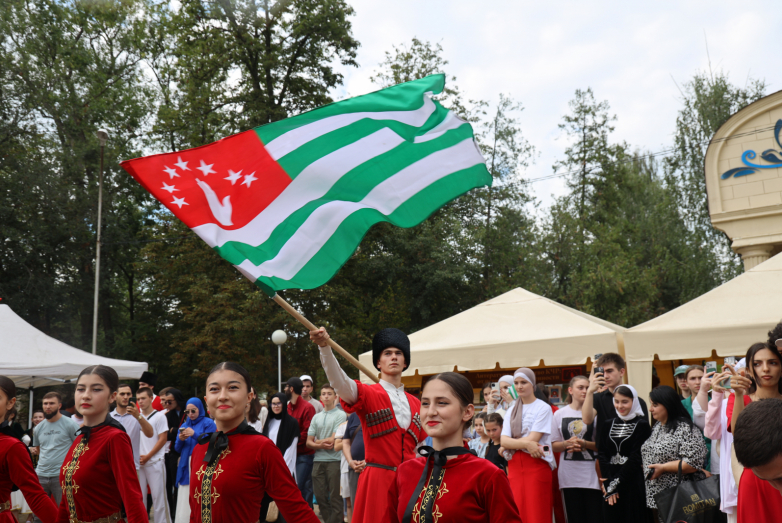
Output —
<point x="194" y="411"/>
<point x="167" y="402"/>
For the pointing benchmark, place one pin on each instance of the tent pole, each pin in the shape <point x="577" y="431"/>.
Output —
<point x="30" y="408"/>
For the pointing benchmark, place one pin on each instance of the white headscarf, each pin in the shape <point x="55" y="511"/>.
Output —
<point x="509" y="380"/>
<point x="636" y="410"/>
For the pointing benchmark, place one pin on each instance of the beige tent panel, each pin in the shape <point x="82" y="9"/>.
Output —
<point x="727" y="319"/>
<point x="515" y="329"/>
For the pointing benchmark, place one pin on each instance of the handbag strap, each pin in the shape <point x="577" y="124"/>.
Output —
<point x="678" y="482"/>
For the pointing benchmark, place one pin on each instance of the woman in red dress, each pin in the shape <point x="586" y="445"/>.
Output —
<point x="16" y="467"/>
<point x="757" y="500"/>
<point x="449" y="483"/>
<point x="232" y="469"/>
<point x="98" y="476"/>
<point x="527" y="432"/>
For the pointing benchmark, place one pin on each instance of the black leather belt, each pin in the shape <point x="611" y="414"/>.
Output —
<point x="378" y="465"/>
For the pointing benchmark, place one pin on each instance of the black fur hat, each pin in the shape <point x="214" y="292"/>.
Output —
<point x="390" y="338"/>
<point x="148" y="378"/>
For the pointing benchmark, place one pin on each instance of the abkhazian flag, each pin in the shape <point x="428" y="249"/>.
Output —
<point x="288" y="203"/>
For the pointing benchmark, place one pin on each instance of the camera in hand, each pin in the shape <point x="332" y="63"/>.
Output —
<point x="598" y="369"/>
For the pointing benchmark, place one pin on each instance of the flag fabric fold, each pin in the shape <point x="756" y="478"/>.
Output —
<point x="288" y="203"/>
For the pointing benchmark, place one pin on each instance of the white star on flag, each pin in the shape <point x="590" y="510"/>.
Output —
<point x="171" y="172"/>
<point x="169" y="188"/>
<point x="232" y="176"/>
<point x="206" y="169"/>
<point x="179" y="201"/>
<point x="182" y="165"/>
<point x="248" y="179"/>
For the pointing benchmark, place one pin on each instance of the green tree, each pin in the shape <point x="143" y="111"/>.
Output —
<point x="69" y="68"/>
<point x="617" y="244"/>
<point x="224" y="66"/>
<point x="708" y="100"/>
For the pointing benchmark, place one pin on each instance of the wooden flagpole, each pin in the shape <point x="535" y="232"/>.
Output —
<point x="333" y="344"/>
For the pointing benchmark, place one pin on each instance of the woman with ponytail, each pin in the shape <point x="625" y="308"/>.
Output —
<point x="449" y="483"/>
<point x="98" y="476"/>
<point x="16" y="466"/>
<point x="234" y="467"/>
<point x="527" y="434"/>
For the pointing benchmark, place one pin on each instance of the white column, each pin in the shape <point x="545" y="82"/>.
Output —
<point x="754" y="255"/>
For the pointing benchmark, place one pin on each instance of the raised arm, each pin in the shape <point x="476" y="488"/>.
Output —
<point x="588" y="412"/>
<point x="713" y="427"/>
<point x="345" y="387"/>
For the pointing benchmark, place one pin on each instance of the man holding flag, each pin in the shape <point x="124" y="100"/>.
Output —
<point x="287" y="203"/>
<point x="390" y="417"/>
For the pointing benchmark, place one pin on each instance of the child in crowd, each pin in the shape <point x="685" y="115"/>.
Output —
<point x="493" y="428"/>
<point x="480" y="443"/>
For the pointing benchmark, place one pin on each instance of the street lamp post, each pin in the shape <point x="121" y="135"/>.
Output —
<point x="103" y="135"/>
<point x="279" y="338"/>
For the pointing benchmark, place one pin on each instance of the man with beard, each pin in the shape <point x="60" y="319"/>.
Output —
<point x="52" y="438"/>
<point x="303" y="413"/>
<point x="127" y="413"/>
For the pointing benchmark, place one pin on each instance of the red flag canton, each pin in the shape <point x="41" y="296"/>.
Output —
<point x="228" y="182"/>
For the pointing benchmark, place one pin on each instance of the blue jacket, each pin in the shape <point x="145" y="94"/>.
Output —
<point x="200" y="425"/>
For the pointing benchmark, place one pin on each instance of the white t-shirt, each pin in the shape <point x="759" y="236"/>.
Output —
<point x="535" y="417"/>
<point x="133" y="429"/>
<point x="159" y="426"/>
<point x="576" y="469"/>
<point x="340" y="434"/>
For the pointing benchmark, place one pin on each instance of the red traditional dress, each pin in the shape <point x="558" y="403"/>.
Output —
<point x="470" y="490"/>
<point x="231" y="472"/>
<point x="99" y="478"/>
<point x="16" y="468"/>
<point x="758" y="500"/>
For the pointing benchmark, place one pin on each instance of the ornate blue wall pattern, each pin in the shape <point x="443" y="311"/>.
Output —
<point x="770" y="155"/>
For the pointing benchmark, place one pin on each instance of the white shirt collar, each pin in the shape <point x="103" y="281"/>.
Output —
<point x="389" y="387"/>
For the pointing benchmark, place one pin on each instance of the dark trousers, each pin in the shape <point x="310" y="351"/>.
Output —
<point x="171" y="461"/>
<point x="325" y="480"/>
<point x="583" y="505"/>
<point x="304" y="464"/>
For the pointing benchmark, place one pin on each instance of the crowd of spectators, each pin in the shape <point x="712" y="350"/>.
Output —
<point x="603" y="457"/>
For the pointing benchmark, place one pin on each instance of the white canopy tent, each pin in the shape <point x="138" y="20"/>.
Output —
<point x="32" y="359"/>
<point x="515" y="329"/>
<point x="727" y="319"/>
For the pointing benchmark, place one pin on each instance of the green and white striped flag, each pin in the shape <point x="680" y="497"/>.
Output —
<point x="288" y="203"/>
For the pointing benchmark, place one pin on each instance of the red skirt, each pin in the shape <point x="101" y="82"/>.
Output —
<point x="371" y="503"/>
<point x="530" y="481"/>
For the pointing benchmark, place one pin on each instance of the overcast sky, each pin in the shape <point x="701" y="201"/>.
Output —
<point x="630" y="53"/>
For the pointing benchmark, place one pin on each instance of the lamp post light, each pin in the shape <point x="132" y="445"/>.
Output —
<point x="279" y="338"/>
<point x="103" y="136"/>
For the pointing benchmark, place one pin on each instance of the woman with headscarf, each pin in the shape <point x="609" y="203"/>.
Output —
<point x="619" y="453"/>
<point x="196" y="424"/>
<point x="501" y="400"/>
<point x="283" y="430"/>
<point x="527" y="434"/>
